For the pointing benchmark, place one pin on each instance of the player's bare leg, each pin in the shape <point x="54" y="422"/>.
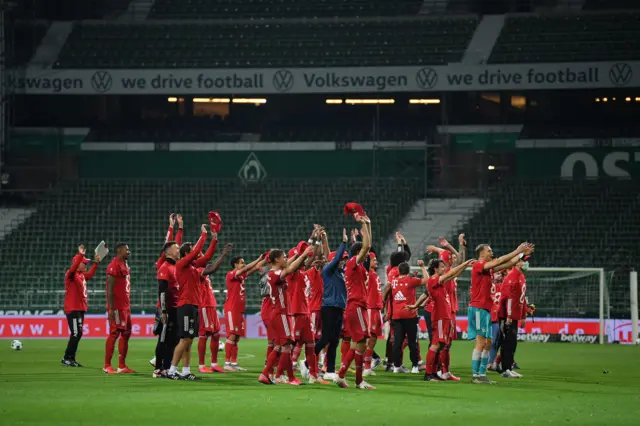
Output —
<point x="368" y="356"/>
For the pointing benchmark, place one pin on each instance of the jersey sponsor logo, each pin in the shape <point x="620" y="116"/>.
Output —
<point x="399" y="297"/>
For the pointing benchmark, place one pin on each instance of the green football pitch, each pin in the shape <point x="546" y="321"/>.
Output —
<point x="562" y="384"/>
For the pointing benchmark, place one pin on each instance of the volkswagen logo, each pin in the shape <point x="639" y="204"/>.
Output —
<point x="620" y="74"/>
<point x="283" y="80"/>
<point x="427" y="78"/>
<point x="101" y="81"/>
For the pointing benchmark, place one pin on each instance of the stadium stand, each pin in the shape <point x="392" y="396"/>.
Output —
<point x="275" y="213"/>
<point x="568" y="38"/>
<point x="256" y="9"/>
<point x="294" y="44"/>
<point x="26" y="39"/>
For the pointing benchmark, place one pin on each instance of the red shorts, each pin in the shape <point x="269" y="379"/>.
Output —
<point x="266" y="320"/>
<point x="121" y="320"/>
<point x="209" y="322"/>
<point x="355" y="323"/>
<point x="235" y="323"/>
<point x="375" y="322"/>
<point x="454" y="330"/>
<point x="442" y="331"/>
<point x="316" y="323"/>
<point x="281" y="329"/>
<point x="302" y="328"/>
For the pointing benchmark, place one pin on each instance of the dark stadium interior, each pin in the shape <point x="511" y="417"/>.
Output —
<point x="127" y="195"/>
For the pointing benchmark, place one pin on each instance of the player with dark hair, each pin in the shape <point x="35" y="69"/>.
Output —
<point x="479" y="313"/>
<point x="118" y="310"/>
<point x="404" y="321"/>
<point x="496" y="334"/>
<point x="173" y="218"/>
<point x="188" y="277"/>
<point x="168" y="294"/>
<point x="374" y="310"/>
<point x="75" y="301"/>
<point x="441" y="316"/>
<point x="356" y="327"/>
<point x="235" y="306"/>
<point x="210" y="324"/>
<point x="280" y="322"/>
<point x="513" y="308"/>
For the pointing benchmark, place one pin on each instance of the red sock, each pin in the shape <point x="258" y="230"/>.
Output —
<point x="368" y="355"/>
<point x="272" y="361"/>
<point x="123" y="348"/>
<point x="346" y="363"/>
<point x="110" y="347"/>
<point x="359" y="364"/>
<point x="289" y="366"/>
<point x="312" y="362"/>
<point x="432" y="359"/>
<point x="279" y="354"/>
<point x="296" y="353"/>
<point x="202" y="349"/>
<point x="285" y="358"/>
<point x="269" y="350"/>
<point x="234" y="353"/>
<point x="214" y="343"/>
<point x="498" y="359"/>
<point x="228" y="350"/>
<point x="345" y="346"/>
<point x="445" y="355"/>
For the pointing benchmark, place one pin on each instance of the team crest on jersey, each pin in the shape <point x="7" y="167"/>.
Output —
<point x="399" y="296"/>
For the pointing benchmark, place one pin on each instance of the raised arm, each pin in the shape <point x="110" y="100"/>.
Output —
<point x="204" y="259"/>
<point x="507" y="257"/>
<point x="366" y="240"/>
<point x="92" y="271"/>
<point x="331" y="266"/>
<point x="296" y="264"/>
<point x="190" y="257"/>
<point x="462" y="250"/>
<point x="167" y="237"/>
<point x="445" y="244"/>
<point x="213" y="268"/>
<point x="325" y="242"/>
<point x="180" y="232"/>
<point x="77" y="260"/>
<point x="454" y="272"/>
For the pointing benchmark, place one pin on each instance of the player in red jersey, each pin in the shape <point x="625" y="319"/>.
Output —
<point x="374" y="311"/>
<point x="157" y="327"/>
<point x="513" y="308"/>
<point x="496" y="343"/>
<point x="355" y="315"/>
<point x="479" y="313"/>
<point x="404" y="321"/>
<point x="168" y="294"/>
<point x="75" y="301"/>
<point x="235" y="306"/>
<point x="210" y="324"/>
<point x="188" y="276"/>
<point x="442" y="311"/>
<point x="118" y="310"/>
<point x="280" y="324"/>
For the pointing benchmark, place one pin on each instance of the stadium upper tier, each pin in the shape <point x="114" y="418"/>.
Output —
<point x="274" y="213"/>
<point x="365" y="43"/>
<point x="26" y="39"/>
<point x="243" y="9"/>
<point x="569" y="38"/>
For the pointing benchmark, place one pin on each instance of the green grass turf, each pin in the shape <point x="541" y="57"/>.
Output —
<point x="562" y="384"/>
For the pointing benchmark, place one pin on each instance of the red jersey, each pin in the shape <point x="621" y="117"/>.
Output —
<point x="315" y="284"/>
<point x="188" y="275"/>
<point x="75" y="286"/>
<point x="236" y="294"/>
<point x="298" y="291"/>
<point x="119" y="269"/>
<point x="482" y="288"/>
<point x="207" y="296"/>
<point x="495" y="309"/>
<point x="277" y="292"/>
<point x="167" y="238"/>
<point x="355" y="278"/>
<point x="167" y="272"/>
<point x="512" y="300"/>
<point x="440" y="296"/>
<point x="403" y="292"/>
<point x="374" y="291"/>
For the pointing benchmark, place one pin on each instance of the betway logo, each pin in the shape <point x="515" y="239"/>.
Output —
<point x="578" y="338"/>
<point x="534" y="337"/>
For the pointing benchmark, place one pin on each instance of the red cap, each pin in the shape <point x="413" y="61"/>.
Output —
<point x="446" y="256"/>
<point x="302" y="246"/>
<point x="353" y="209"/>
<point x="372" y="255"/>
<point x="333" y="255"/>
<point x="293" y="252"/>
<point x="215" y="221"/>
<point x="266" y="254"/>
